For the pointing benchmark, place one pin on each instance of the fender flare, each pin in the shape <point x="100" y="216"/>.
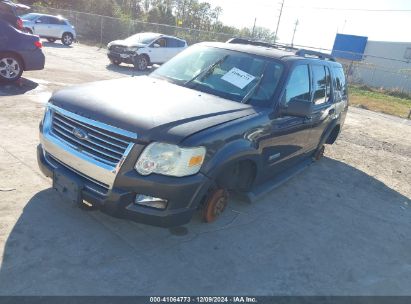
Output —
<point x="231" y="153"/>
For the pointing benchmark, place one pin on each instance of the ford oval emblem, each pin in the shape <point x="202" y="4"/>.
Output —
<point x="80" y="134"/>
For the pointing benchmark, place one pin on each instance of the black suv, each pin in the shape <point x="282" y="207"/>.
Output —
<point x="216" y="119"/>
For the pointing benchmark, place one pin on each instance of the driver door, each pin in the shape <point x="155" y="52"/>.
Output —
<point x="42" y="27"/>
<point x="158" y="51"/>
<point x="288" y="140"/>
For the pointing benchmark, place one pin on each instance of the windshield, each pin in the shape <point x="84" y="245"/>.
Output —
<point x="145" y="38"/>
<point x="29" y="17"/>
<point x="229" y="74"/>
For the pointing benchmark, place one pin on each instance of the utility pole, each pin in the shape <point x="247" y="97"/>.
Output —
<point x="295" y="29"/>
<point x="278" y="23"/>
<point x="255" y="20"/>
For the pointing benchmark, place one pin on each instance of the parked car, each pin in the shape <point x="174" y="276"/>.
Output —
<point x="217" y="118"/>
<point x="8" y="13"/>
<point x="50" y="27"/>
<point x="145" y="49"/>
<point x="18" y="52"/>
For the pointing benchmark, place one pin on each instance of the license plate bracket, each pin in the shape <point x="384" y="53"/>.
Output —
<point x="68" y="188"/>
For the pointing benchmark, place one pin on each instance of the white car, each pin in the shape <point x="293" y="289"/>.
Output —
<point x="145" y="49"/>
<point x="50" y="27"/>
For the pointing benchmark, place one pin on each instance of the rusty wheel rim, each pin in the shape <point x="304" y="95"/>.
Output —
<point x="215" y="205"/>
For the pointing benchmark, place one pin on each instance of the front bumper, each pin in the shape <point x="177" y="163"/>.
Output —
<point x="184" y="195"/>
<point x="122" y="57"/>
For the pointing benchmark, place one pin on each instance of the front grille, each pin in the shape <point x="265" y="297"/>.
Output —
<point x="99" y="144"/>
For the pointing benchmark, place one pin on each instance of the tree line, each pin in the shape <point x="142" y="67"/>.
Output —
<point x="192" y="14"/>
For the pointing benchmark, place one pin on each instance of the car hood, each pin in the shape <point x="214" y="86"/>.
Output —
<point x="154" y="109"/>
<point x="126" y="43"/>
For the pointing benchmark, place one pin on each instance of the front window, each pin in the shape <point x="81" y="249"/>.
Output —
<point x="237" y="76"/>
<point x="144" y="38"/>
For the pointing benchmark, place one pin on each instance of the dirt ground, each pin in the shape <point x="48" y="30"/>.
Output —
<point x="341" y="227"/>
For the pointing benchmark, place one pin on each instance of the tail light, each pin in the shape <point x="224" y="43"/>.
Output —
<point x="19" y="24"/>
<point x="38" y="44"/>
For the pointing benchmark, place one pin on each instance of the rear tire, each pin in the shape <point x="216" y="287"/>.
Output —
<point x="11" y="67"/>
<point x="67" y="39"/>
<point x="51" y="40"/>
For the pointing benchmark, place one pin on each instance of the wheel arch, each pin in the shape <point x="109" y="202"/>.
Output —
<point x="235" y="167"/>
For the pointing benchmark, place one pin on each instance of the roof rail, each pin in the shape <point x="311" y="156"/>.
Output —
<point x="304" y="53"/>
<point x="260" y="43"/>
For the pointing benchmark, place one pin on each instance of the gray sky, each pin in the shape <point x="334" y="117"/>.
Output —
<point x="317" y="27"/>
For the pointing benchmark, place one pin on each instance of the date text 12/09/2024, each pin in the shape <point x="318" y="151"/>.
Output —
<point x="235" y="299"/>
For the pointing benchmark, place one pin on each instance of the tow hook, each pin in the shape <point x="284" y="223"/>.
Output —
<point x="215" y="205"/>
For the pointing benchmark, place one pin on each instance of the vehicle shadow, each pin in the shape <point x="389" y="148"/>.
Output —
<point x="19" y="87"/>
<point x="56" y="45"/>
<point x="128" y="70"/>
<point x="332" y="230"/>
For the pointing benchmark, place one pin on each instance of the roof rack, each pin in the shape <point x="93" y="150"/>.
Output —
<point x="299" y="52"/>
<point x="260" y="43"/>
<point x="304" y="53"/>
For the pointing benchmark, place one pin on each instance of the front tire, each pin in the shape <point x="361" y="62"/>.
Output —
<point x="215" y="205"/>
<point x="141" y="62"/>
<point x="67" y="39"/>
<point x="11" y="67"/>
<point x="115" y="61"/>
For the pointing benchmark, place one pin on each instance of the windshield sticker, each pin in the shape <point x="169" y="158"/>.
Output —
<point x="238" y="78"/>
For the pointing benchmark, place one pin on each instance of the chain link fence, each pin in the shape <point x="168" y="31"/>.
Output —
<point x="391" y="79"/>
<point x="97" y="29"/>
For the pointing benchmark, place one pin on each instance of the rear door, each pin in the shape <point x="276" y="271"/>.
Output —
<point x="56" y="27"/>
<point x="174" y="46"/>
<point x="288" y="141"/>
<point x="324" y="107"/>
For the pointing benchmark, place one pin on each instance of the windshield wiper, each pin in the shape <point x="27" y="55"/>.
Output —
<point x="206" y="71"/>
<point x="255" y="87"/>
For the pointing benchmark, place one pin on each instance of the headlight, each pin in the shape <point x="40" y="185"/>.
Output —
<point x="132" y="49"/>
<point x="170" y="160"/>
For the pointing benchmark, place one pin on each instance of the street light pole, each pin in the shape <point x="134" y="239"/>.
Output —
<point x="295" y="29"/>
<point x="278" y="23"/>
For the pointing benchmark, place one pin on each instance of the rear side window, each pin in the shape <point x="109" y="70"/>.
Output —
<point x="172" y="43"/>
<point x="340" y="84"/>
<point x="322" y="84"/>
<point x="298" y="86"/>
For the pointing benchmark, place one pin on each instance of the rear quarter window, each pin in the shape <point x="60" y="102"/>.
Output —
<point x="340" y="83"/>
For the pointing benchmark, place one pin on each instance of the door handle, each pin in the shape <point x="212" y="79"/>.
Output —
<point x="331" y="112"/>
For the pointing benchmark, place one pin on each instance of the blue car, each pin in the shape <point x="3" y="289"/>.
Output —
<point x="18" y="52"/>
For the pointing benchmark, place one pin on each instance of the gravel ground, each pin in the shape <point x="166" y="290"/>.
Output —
<point x="341" y="227"/>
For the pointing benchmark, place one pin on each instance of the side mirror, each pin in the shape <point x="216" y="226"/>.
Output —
<point x="298" y="108"/>
<point x="38" y="21"/>
<point x="156" y="45"/>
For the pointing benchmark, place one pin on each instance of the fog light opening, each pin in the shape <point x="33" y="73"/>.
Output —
<point x="150" y="201"/>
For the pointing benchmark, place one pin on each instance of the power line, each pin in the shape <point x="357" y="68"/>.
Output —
<point x="350" y="9"/>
